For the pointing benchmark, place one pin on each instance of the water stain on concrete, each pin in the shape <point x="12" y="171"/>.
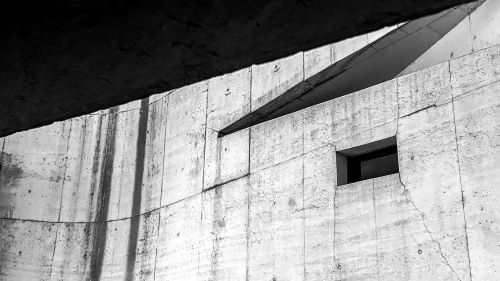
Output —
<point x="100" y="228"/>
<point x="137" y="196"/>
<point x="10" y="170"/>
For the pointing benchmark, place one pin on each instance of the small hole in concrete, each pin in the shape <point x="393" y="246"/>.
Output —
<point x="367" y="161"/>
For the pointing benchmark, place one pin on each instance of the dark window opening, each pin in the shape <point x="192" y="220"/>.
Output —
<point x="368" y="161"/>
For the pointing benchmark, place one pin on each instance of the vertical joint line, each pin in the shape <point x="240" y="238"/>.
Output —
<point x="64" y="172"/>
<point x="460" y="175"/>
<point x="303" y="198"/>
<point x="376" y="226"/>
<point x="205" y="139"/>
<point x="167" y="98"/>
<point x="249" y="186"/>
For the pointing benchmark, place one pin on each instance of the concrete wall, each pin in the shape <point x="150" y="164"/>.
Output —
<point x="147" y="191"/>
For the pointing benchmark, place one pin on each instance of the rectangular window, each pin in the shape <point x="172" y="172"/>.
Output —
<point x="368" y="161"/>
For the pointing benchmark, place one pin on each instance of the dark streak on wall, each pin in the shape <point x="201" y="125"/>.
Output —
<point x="136" y="203"/>
<point x="100" y="227"/>
<point x="89" y="227"/>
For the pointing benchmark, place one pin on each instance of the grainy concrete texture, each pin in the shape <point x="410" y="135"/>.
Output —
<point x="148" y="191"/>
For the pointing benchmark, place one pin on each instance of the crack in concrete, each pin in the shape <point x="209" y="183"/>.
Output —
<point x="460" y="173"/>
<point x="405" y="193"/>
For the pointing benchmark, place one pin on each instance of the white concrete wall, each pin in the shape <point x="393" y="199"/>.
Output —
<point x="117" y="196"/>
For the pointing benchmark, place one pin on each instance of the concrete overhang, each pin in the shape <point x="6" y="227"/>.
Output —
<point x="60" y="59"/>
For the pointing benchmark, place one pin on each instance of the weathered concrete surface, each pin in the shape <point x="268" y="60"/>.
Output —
<point x="148" y="191"/>
<point x="477" y="116"/>
<point x="32" y="175"/>
<point x="276" y="226"/>
<point x="224" y="228"/>
<point x="62" y="59"/>
<point x="185" y="136"/>
<point x="26" y="250"/>
<point x="428" y="157"/>
<point x="228" y="100"/>
<point x="319" y="214"/>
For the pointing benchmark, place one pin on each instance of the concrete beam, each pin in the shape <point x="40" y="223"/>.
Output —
<point x="62" y="59"/>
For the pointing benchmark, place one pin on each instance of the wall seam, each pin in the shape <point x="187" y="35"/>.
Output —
<point x="1" y="152"/>
<point x="161" y="186"/>
<point x="205" y="139"/>
<point x="140" y="153"/>
<point x="122" y="161"/>
<point x="303" y="198"/>
<point x="64" y="171"/>
<point x="376" y="227"/>
<point x="60" y="198"/>
<point x="460" y="176"/>
<point x="249" y="187"/>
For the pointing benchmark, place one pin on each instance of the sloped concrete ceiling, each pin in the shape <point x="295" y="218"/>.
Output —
<point x="60" y="59"/>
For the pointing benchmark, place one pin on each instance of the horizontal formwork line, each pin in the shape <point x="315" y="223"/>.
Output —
<point x="131" y="217"/>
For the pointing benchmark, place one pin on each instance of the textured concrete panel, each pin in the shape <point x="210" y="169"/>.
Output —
<point x="124" y="163"/>
<point x="478" y="126"/>
<point x="365" y="115"/>
<point x="276" y="141"/>
<point x="400" y="255"/>
<point x="276" y="225"/>
<point x="317" y="60"/>
<point x="83" y="169"/>
<point x="223" y="247"/>
<point x="428" y="162"/>
<point x="228" y="98"/>
<point x="141" y="259"/>
<point x="425" y="88"/>
<point x="346" y="47"/>
<point x="73" y="251"/>
<point x="185" y="137"/>
<point x="475" y="71"/>
<point x="112" y="263"/>
<point x="406" y="249"/>
<point x="33" y="173"/>
<point x="355" y="232"/>
<point x="154" y="155"/>
<point x="92" y="154"/>
<point x="178" y="241"/>
<point x="318" y="125"/>
<point x="226" y="158"/>
<point x="272" y="79"/>
<point x="319" y="216"/>
<point x="26" y="250"/>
